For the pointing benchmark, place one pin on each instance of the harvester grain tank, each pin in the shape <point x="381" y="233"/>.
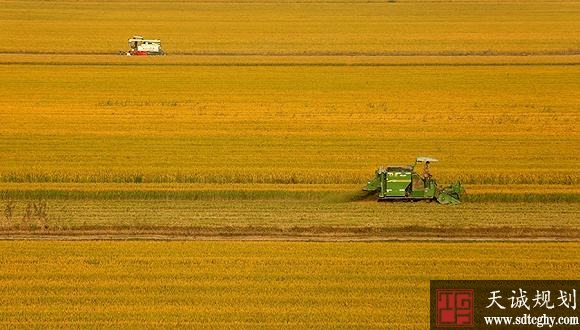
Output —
<point x="142" y="47"/>
<point x="406" y="183"/>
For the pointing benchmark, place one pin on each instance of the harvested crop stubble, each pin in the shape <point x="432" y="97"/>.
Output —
<point x="288" y="218"/>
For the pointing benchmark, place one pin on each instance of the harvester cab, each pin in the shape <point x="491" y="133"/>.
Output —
<point x="142" y="47"/>
<point x="407" y="183"/>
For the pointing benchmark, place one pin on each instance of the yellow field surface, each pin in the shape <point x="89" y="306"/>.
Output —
<point x="350" y="192"/>
<point x="263" y="123"/>
<point x="207" y="216"/>
<point x="245" y="112"/>
<point x="287" y="60"/>
<point x="488" y="124"/>
<point x="294" y="27"/>
<point x="252" y="284"/>
<point x="288" y="92"/>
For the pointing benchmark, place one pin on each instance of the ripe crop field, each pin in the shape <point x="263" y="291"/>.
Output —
<point x="251" y="284"/>
<point x="265" y="127"/>
<point x="286" y="124"/>
<point x="259" y="129"/>
<point x="312" y="27"/>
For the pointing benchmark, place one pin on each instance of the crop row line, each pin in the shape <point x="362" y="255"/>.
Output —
<point x="232" y="194"/>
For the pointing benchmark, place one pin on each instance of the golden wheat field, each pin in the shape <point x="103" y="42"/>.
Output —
<point x="286" y="98"/>
<point x="251" y="284"/>
<point x="254" y="136"/>
<point x="286" y="124"/>
<point x="311" y="27"/>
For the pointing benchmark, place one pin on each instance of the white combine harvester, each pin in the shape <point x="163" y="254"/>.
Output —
<point x="143" y="47"/>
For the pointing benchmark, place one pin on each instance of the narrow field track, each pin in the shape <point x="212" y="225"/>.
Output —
<point x="287" y="218"/>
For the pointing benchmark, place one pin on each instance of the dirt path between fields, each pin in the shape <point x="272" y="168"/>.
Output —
<point x="316" y="233"/>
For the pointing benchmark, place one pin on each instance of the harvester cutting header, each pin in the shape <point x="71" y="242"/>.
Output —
<point x="405" y="183"/>
<point x="142" y="47"/>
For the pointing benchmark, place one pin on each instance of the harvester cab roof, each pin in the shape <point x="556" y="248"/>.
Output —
<point x="425" y="160"/>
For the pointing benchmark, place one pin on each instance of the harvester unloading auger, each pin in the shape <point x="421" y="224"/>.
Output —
<point x="404" y="183"/>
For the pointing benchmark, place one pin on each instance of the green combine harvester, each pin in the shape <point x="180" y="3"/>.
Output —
<point x="404" y="183"/>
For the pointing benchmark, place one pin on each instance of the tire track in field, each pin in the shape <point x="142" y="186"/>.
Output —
<point x="567" y="52"/>
<point x="306" y="233"/>
<point x="277" y="239"/>
<point x="286" y="60"/>
<point x="289" y="64"/>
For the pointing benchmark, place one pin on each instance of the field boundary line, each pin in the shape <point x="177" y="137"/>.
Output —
<point x="298" y="233"/>
<point x="275" y="238"/>
<point x="483" y="53"/>
<point x="235" y="60"/>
